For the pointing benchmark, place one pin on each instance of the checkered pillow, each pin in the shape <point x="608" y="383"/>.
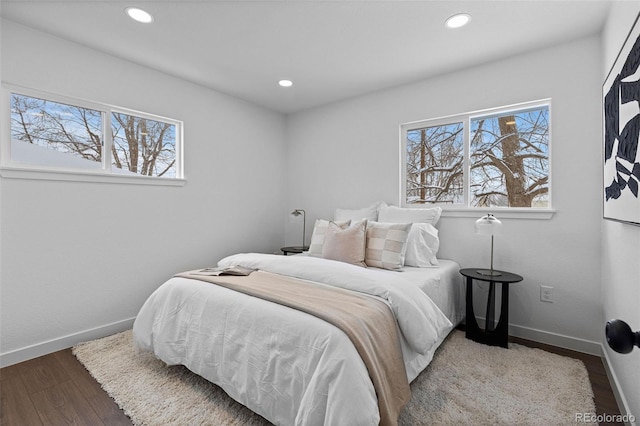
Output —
<point x="386" y="244"/>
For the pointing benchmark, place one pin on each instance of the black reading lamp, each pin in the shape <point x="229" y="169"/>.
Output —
<point x="620" y="337"/>
<point x="298" y="212"/>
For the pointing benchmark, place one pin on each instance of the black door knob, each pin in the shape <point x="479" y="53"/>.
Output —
<point x="620" y="337"/>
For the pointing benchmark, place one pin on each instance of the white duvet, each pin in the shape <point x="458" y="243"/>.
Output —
<point x="287" y="366"/>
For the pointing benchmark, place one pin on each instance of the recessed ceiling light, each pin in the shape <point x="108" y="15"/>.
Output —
<point x="285" y="83"/>
<point x="458" y="20"/>
<point x="139" y="15"/>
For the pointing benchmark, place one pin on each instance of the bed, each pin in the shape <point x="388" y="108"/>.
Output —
<point x="357" y="319"/>
<point x="286" y="365"/>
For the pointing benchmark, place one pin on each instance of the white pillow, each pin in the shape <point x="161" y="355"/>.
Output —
<point x="369" y="213"/>
<point x="386" y="244"/>
<point x="405" y="215"/>
<point x="422" y="246"/>
<point x="319" y="231"/>
<point x="346" y="245"/>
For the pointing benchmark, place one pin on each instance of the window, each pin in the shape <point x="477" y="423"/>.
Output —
<point x="143" y="146"/>
<point x="54" y="134"/>
<point x="497" y="158"/>
<point x="434" y="164"/>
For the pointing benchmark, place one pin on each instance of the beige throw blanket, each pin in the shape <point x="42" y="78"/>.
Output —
<point x="367" y="321"/>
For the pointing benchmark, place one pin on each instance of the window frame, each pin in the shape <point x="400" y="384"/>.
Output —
<point x="19" y="170"/>
<point x="465" y="209"/>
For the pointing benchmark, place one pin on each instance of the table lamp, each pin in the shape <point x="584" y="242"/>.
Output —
<point x="298" y="212"/>
<point x="488" y="225"/>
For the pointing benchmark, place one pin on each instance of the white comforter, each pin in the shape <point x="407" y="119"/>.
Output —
<point x="288" y="366"/>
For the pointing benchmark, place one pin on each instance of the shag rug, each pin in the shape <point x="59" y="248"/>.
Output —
<point x="466" y="383"/>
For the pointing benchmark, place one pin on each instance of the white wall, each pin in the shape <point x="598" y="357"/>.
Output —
<point x="78" y="256"/>
<point x="621" y="242"/>
<point x="347" y="155"/>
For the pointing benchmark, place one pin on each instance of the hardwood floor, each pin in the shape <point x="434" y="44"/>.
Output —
<point x="57" y="390"/>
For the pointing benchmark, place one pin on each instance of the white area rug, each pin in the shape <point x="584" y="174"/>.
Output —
<point x="466" y="383"/>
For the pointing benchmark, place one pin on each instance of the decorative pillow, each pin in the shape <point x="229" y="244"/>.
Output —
<point x="422" y="246"/>
<point x="369" y="213"/>
<point x="319" y="231"/>
<point x="386" y="244"/>
<point x="346" y="245"/>
<point x="405" y="215"/>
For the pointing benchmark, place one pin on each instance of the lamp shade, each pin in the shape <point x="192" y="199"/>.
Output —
<point x="488" y="225"/>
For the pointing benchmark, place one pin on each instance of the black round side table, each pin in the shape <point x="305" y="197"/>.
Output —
<point x="498" y="335"/>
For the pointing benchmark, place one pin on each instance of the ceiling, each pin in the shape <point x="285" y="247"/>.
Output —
<point x="331" y="50"/>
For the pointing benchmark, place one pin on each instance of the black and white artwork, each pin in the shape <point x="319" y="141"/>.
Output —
<point x="621" y="102"/>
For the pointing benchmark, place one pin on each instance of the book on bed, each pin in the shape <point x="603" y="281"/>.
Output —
<point x="230" y="270"/>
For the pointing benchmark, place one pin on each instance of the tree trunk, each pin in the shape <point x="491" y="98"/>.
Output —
<point x="423" y="166"/>
<point x="515" y="176"/>
<point x="132" y="141"/>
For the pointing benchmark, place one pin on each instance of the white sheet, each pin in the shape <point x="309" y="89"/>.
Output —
<point x="287" y="366"/>
<point x="444" y="285"/>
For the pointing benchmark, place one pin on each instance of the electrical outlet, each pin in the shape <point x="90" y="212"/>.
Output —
<point x="546" y="294"/>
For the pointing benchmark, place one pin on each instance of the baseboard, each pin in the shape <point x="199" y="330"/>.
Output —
<point x="623" y="406"/>
<point x="64" y="342"/>
<point x="553" y="339"/>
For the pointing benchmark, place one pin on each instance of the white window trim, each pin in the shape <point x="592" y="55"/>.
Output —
<point x="501" y="212"/>
<point x="464" y="210"/>
<point x="32" y="173"/>
<point x="17" y="170"/>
